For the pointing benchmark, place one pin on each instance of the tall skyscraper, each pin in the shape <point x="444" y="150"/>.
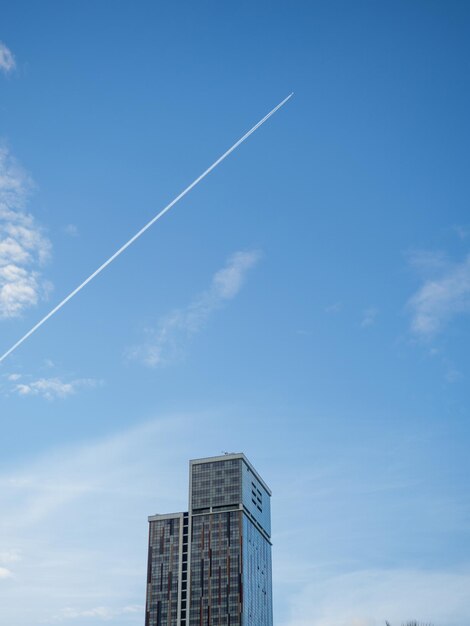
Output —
<point x="211" y="566"/>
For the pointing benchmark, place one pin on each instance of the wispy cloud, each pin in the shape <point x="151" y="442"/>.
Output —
<point x="463" y="232"/>
<point x="369" y="316"/>
<point x="428" y="263"/>
<point x="24" y="249"/>
<point x="100" y="612"/>
<point x="71" y="230"/>
<point x="9" y="556"/>
<point x="444" y="294"/>
<point x="334" y="308"/>
<point x="453" y="375"/>
<point x="166" y="341"/>
<point x="52" y="388"/>
<point x="66" y="511"/>
<point x="369" y="597"/>
<point x="7" y="60"/>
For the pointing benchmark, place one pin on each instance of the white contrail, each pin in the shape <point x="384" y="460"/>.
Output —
<point x="142" y="230"/>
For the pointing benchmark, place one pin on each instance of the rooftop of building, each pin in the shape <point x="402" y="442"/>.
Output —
<point x="227" y="456"/>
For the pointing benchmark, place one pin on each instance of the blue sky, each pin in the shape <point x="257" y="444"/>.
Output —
<point x="307" y="304"/>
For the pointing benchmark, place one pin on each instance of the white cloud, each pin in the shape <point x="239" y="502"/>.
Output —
<point x="165" y="343"/>
<point x="51" y="388"/>
<point x="443" y="295"/>
<point x="7" y="60"/>
<point x="23" y="246"/>
<point x="369" y="316"/>
<point x="369" y="597"/>
<point x="228" y="281"/>
<point x="5" y="573"/>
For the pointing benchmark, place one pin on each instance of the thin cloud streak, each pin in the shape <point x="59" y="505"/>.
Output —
<point x="144" y="229"/>
<point x="100" y="612"/>
<point x="166" y="343"/>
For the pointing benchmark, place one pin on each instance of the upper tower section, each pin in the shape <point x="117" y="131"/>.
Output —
<point x="228" y="482"/>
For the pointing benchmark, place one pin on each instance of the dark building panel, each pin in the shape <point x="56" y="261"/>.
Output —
<point x="163" y="574"/>
<point x="216" y="590"/>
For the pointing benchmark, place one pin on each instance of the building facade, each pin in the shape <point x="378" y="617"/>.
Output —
<point x="211" y="566"/>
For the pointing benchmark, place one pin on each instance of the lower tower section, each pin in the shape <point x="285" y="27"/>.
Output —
<point x="216" y="592"/>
